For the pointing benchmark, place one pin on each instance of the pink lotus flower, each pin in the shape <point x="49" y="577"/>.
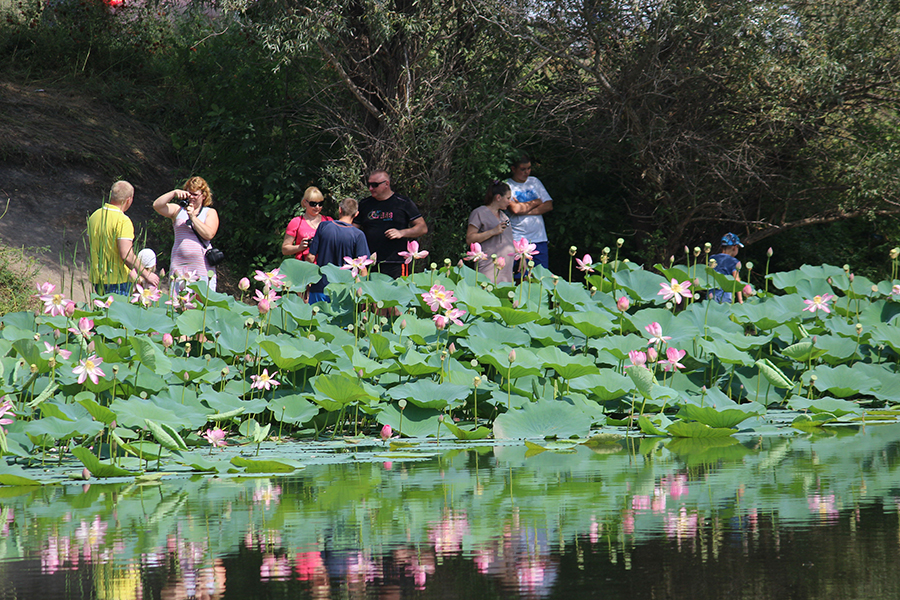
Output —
<point x="104" y="303"/>
<point x="70" y="309"/>
<point x="54" y="304"/>
<point x="244" y="284"/>
<point x="215" y="437"/>
<point x="673" y="355"/>
<point x="266" y="302"/>
<point x="748" y="290"/>
<point x="6" y="409"/>
<point x="623" y="303"/>
<point x="270" y="279"/>
<point x="638" y="359"/>
<point x="45" y="289"/>
<point x="89" y="367"/>
<point x="895" y="290"/>
<point x="656" y="336"/>
<point x="145" y="295"/>
<point x="499" y="263"/>
<point x="451" y="316"/>
<point x="512" y="356"/>
<point x="439" y="297"/>
<point x="475" y="253"/>
<point x="412" y="252"/>
<point x="585" y="264"/>
<point x="85" y="326"/>
<point x="524" y="250"/>
<point x="386" y="432"/>
<point x="264" y="381"/>
<point x="187" y="277"/>
<point x="56" y="350"/>
<point x="675" y="290"/>
<point x="355" y="265"/>
<point x="819" y="303"/>
<point x="168" y="340"/>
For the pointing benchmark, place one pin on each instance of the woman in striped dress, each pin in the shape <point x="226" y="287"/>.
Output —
<point x="192" y="215"/>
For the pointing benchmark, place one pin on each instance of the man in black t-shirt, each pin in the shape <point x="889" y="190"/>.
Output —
<point x="388" y="220"/>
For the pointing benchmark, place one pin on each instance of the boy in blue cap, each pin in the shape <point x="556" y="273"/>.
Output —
<point x="727" y="264"/>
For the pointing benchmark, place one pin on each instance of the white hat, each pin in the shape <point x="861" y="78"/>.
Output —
<point x="147" y="258"/>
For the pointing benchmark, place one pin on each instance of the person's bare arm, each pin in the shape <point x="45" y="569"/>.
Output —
<point x="540" y="209"/>
<point x="290" y="248"/>
<point x="126" y="252"/>
<point x="418" y="229"/>
<point x="523" y="208"/>
<point x="164" y="204"/>
<point x="205" y="229"/>
<point x="473" y="236"/>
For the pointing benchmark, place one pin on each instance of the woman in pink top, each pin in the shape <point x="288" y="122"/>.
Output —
<point x="192" y="215"/>
<point x="302" y="229"/>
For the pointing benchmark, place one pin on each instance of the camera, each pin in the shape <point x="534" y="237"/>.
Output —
<point x="183" y="202"/>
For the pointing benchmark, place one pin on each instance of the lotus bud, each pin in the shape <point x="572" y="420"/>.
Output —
<point x="162" y="273"/>
<point x="652" y="354"/>
<point x="671" y="260"/>
<point x="365" y="318"/>
<point x="402" y="404"/>
<point x="696" y="251"/>
<point x="605" y="250"/>
<point x="830" y="282"/>
<point x="244" y="284"/>
<point x="623" y="303"/>
<point x="56" y="334"/>
<point x="70" y="309"/>
<point x="187" y="376"/>
<point x="360" y="373"/>
<point x="515" y="304"/>
<point x="403" y="324"/>
<point x="572" y="250"/>
<point x="620" y="242"/>
<point x="748" y="291"/>
<point x="85" y="474"/>
<point x="512" y="356"/>
<point x="687" y="251"/>
<point x="769" y="252"/>
<point x="386" y="432"/>
<point x="263" y="306"/>
<point x="359" y="292"/>
<point x="168" y="340"/>
<point x="452" y="347"/>
<point x="850" y="277"/>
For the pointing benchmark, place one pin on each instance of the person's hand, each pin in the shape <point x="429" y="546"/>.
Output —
<point x="303" y="244"/>
<point x="393" y="234"/>
<point x="153" y="279"/>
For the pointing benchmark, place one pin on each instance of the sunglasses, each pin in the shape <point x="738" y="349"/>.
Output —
<point x="375" y="184"/>
<point x="315" y="204"/>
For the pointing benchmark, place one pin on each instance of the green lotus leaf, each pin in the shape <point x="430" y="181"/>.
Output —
<point x="136" y="319"/>
<point x="479" y="433"/>
<point x="696" y="451"/>
<point x="833" y="406"/>
<point x="721" y="418"/>
<point x="842" y="381"/>
<point x="150" y="354"/>
<point x="643" y="379"/>
<point x="205" y="465"/>
<point x="684" y="429"/>
<point x="416" y="364"/>
<point x="385" y="345"/>
<point x="100" y="413"/>
<point x="334" y="391"/>
<point x="526" y="363"/>
<point x="299" y="273"/>
<point x="30" y="350"/>
<point x="167" y="437"/>
<point x="618" y="345"/>
<point x="566" y="365"/>
<point x="641" y="285"/>
<point x="62" y="430"/>
<point x="837" y="349"/>
<point x="96" y="467"/>
<point x="543" y="335"/>
<point x="254" y="432"/>
<point x="810" y="422"/>
<point x="886" y="334"/>
<point x="591" y="324"/>
<point x="15" y="475"/>
<point x="491" y="334"/>
<point x="574" y="297"/>
<point x="264" y="466"/>
<point x="773" y="374"/>
<point x="288" y="352"/>
<point x="803" y="351"/>
<point x="477" y="300"/>
<point x="514" y="316"/>
<point x="647" y="427"/>
<point x="543" y="419"/>
<point x="418" y="330"/>
<point x="356" y="361"/>
<point x="726" y="352"/>
<point x="415" y="421"/>
<point x="770" y="313"/>
<point x="608" y="385"/>
<point x="428" y="393"/>
<point x="133" y="411"/>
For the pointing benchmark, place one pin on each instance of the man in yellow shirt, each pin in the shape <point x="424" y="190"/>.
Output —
<point x="111" y="236"/>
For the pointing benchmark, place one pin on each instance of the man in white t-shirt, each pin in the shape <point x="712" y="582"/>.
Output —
<point x="527" y="222"/>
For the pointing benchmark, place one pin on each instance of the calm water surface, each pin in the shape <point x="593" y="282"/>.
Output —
<point x="805" y="516"/>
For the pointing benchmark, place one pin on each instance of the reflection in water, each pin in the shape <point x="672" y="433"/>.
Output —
<point x="803" y="517"/>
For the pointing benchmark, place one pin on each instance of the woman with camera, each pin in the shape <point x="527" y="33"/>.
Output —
<point x="195" y="223"/>
<point x="302" y="229"/>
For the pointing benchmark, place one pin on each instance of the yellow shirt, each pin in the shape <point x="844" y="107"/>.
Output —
<point x="105" y="227"/>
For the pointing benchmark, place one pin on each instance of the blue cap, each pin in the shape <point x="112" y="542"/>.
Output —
<point x="730" y="239"/>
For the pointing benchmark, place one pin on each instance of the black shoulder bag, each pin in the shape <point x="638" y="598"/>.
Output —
<point x="213" y="255"/>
